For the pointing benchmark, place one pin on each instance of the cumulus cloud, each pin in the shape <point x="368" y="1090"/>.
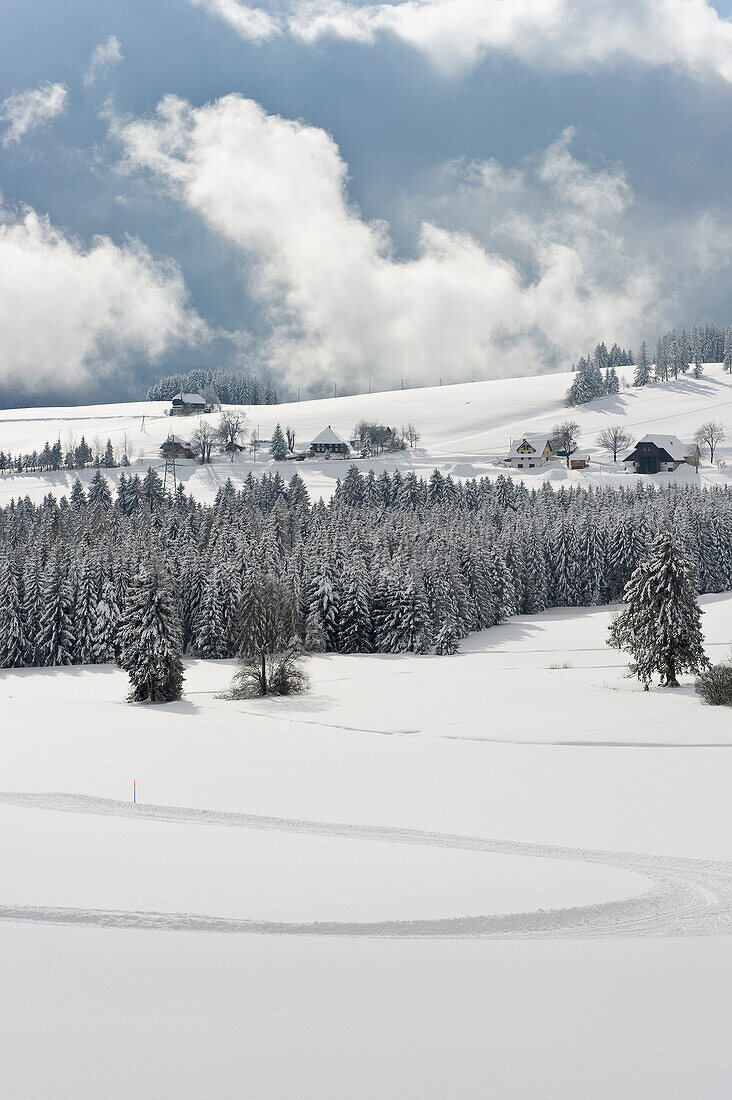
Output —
<point x="544" y="271"/>
<point x="559" y="34"/>
<point x="252" y="24"/>
<point x="105" y="54"/>
<point x="70" y="312"/>
<point x="25" y="111"/>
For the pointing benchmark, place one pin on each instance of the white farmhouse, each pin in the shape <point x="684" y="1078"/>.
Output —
<point x="529" y="451"/>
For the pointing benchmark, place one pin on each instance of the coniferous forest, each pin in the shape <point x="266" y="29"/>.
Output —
<point x="231" y="387"/>
<point x="392" y="564"/>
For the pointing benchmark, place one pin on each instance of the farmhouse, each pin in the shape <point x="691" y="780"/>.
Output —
<point x="187" y="404"/>
<point x="655" y="454"/>
<point x="529" y="451"/>
<point x="329" y="443"/>
<point x="175" y="447"/>
<point x="579" y="460"/>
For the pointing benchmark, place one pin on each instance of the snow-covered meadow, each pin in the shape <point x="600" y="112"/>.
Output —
<point x="507" y="872"/>
<point x="465" y="431"/>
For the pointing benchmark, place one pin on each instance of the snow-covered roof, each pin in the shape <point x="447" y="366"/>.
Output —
<point x="190" y="398"/>
<point x="536" y="440"/>
<point x="579" y="456"/>
<point x="176" y="439"/>
<point x="329" y="436"/>
<point x="670" y="443"/>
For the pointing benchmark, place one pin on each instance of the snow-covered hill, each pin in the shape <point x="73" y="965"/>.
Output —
<point x="465" y="430"/>
<point x="301" y="902"/>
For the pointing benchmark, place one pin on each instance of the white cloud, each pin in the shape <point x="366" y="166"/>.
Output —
<point x="543" y="273"/>
<point x="555" y="34"/>
<point x="252" y="24"/>
<point x="25" y="111"/>
<point x="70" y="312"/>
<point x="105" y="54"/>
<point x="561" y="34"/>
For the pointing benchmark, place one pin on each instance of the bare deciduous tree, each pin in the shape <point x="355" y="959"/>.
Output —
<point x="126" y="449"/>
<point x="709" y="435"/>
<point x="614" y="439"/>
<point x="254" y="442"/>
<point x="290" y="433"/>
<point x="268" y="638"/>
<point x="566" y="434"/>
<point x="203" y="440"/>
<point x="231" y="429"/>
<point x="411" y="435"/>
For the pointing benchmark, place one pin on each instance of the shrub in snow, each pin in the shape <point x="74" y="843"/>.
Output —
<point x="714" y="684"/>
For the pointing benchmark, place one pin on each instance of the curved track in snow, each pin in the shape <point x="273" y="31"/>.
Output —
<point x="686" y="897"/>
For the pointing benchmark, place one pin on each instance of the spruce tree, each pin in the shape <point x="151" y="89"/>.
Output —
<point x="99" y="492"/>
<point x="84" y="617"/>
<point x="55" y="643"/>
<point x="150" y="637"/>
<point x="106" y="625"/>
<point x="727" y="349"/>
<point x="211" y="640"/>
<point x="12" y="627"/>
<point x="661" y="624"/>
<point x="278" y="446"/>
<point x="354" y="632"/>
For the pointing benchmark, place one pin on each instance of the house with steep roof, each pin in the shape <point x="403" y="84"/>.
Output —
<point x="175" y="447"/>
<point x="656" y="453"/>
<point x="187" y="404"/>
<point x="329" y="443"/>
<point x="529" y="450"/>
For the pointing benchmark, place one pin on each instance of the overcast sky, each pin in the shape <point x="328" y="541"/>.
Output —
<point x="341" y="191"/>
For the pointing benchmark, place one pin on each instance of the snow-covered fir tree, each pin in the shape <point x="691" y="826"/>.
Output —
<point x="278" y="446"/>
<point x="642" y="374"/>
<point x="55" y="642"/>
<point x="661" y="624"/>
<point x="13" y="646"/>
<point x="150" y="637"/>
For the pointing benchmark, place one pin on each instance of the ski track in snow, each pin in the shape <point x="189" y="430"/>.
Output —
<point x="687" y="897"/>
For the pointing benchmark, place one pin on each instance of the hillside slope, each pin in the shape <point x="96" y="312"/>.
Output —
<point x="465" y="430"/>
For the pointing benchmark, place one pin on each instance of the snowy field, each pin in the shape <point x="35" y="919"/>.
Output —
<point x="507" y="873"/>
<point x="465" y="430"/>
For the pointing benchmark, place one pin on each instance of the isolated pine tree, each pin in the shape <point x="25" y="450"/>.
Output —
<point x="661" y="624"/>
<point x="278" y="446"/>
<point x="150" y="637"/>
